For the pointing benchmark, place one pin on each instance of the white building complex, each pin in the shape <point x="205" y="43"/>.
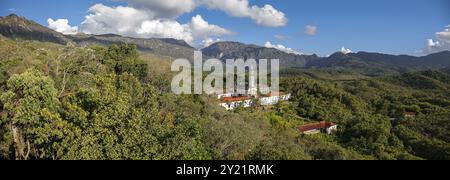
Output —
<point x="232" y="101"/>
<point x="274" y="98"/>
<point x="228" y="95"/>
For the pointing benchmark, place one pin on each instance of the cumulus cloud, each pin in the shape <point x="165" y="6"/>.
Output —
<point x="117" y="20"/>
<point x="345" y="51"/>
<point x="311" y="30"/>
<point x="442" y="42"/>
<point x="202" y="29"/>
<point x="209" y="41"/>
<point x="432" y="44"/>
<point x="165" y="8"/>
<point x="282" y="48"/>
<point x="155" y="18"/>
<point x="128" y="21"/>
<point x="62" y="26"/>
<point x="444" y="35"/>
<point x="197" y="28"/>
<point x="236" y="8"/>
<point x="164" y="29"/>
<point x="268" y="16"/>
<point x="265" y="16"/>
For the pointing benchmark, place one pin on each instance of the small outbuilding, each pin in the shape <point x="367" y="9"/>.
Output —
<point x="320" y="127"/>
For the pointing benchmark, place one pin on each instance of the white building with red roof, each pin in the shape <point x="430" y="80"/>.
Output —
<point x="274" y="98"/>
<point x="314" y="128"/>
<point x="232" y="101"/>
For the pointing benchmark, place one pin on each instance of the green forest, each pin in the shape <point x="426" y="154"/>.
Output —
<point x="114" y="103"/>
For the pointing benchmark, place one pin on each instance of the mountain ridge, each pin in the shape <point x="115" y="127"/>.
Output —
<point x="17" y="27"/>
<point x="232" y="50"/>
<point x="377" y="63"/>
<point x="367" y="63"/>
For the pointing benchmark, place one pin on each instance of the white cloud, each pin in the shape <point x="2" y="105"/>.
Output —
<point x="170" y="9"/>
<point x="209" y="41"/>
<point x="164" y="8"/>
<point x="311" y="30"/>
<point x="128" y="21"/>
<point x="345" y="51"/>
<point x="202" y="29"/>
<point x="432" y="44"/>
<point x="117" y="20"/>
<point x="442" y="42"/>
<point x="196" y="29"/>
<point x="282" y="48"/>
<point x="444" y="35"/>
<point x="264" y="16"/>
<point x="236" y="8"/>
<point x="155" y="18"/>
<point x="62" y="26"/>
<point x="268" y="16"/>
<point x="164" y="29"/>
<point x="280" y="37"/>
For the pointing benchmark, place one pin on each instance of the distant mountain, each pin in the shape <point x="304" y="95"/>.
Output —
<point x="176" y="42"/>
<point x="379" y="64"/>
<point x="165" y="47"/>
<point x="371" y="64"/>
<point x="363" y="62"/>
<point x="233" y="50"/>
<point x="17" y="27"/>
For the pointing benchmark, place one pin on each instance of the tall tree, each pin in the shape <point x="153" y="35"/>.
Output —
<point x="30" y="108"/>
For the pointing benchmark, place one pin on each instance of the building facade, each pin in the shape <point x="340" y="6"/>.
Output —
<point x="232" y="101"/>
<point x="273" y="99"/>
<point x="321" y="127"/>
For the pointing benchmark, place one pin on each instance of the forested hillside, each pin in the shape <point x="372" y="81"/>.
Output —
<point x="94" y="102"/>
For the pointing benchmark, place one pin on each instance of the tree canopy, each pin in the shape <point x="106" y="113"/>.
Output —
<point x="94" y="102"/>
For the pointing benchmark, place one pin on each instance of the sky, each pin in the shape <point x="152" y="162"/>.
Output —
<point x="414" y="27"/>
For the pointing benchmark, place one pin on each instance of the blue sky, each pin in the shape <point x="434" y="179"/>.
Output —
<point x="387" y="26"/>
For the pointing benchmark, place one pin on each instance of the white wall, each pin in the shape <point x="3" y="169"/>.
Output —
<point x="332" y="129"/>
<point x="265" y="101"/>
<point x="220" y="96"/>
<point x="268" y="101"/>
<point x="234" y="105"/>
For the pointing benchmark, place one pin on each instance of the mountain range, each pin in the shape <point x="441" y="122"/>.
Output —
<point x="233" y="50"/>
<point x="380" y="64"/>
<point x="16" y="27"/>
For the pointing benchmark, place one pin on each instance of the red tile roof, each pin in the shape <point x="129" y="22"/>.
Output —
<point x="236" y="99"/>
<point x="315" y="126"/>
